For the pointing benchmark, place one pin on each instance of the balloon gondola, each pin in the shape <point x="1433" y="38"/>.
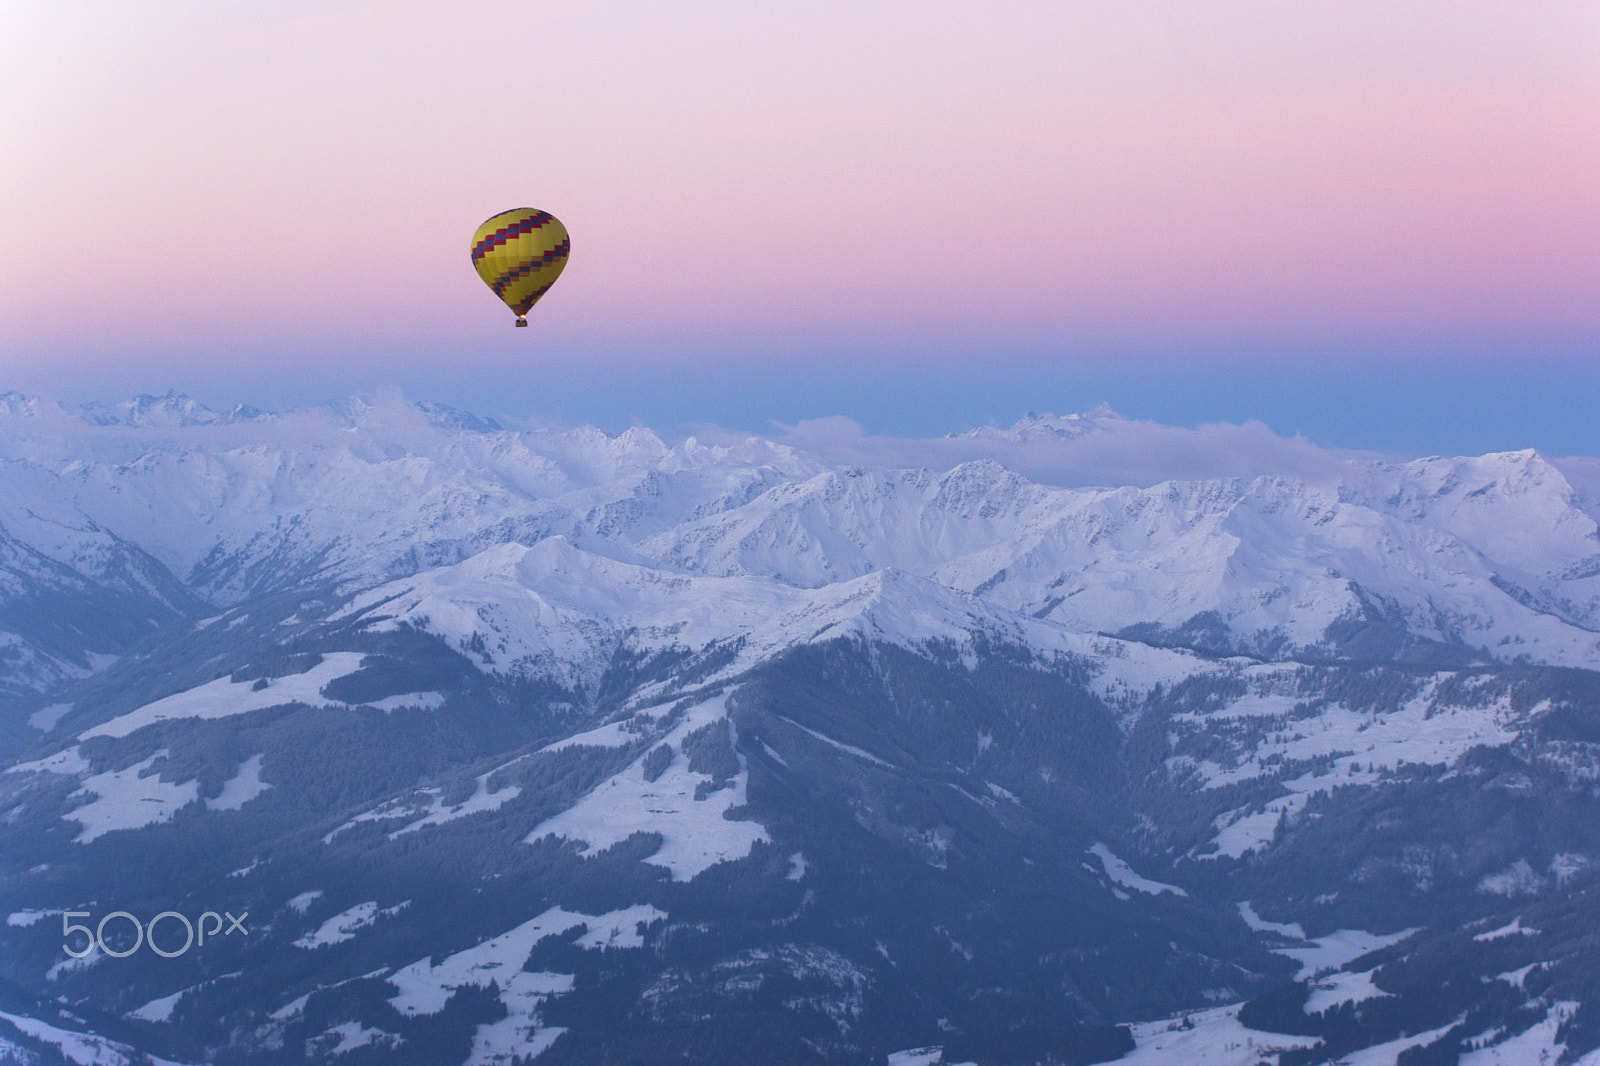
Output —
<point x="519" y="254"/>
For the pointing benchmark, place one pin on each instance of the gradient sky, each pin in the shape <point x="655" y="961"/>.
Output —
<point x="1377" y="223"/>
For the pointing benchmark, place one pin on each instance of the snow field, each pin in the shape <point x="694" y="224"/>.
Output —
<point x="345" y="1038"/>
<point x="136" y="796"/>
<point x="695" y="834"/>
<point x="423" y="988"/>
<point x="1536" y="1045"/>
<point x="1514" y="929"/>
<point x="224" y="697"/>
<point x="1121" y="873"/>
<point x="45" y="719"/>
<point x="158" y="1010"/>
<point x="1364" y="744"/>
<point x="1518" y="977"/>
<point x="83" y="1049"/>
<point x="481" y="800"/>
<point x="426" y="807"/>
<point x="1337" y="948"/>
<point x="922" y="1056"/>
<point x="615" y="735"/>
<point x="302" y="903"/>
<point x="1215" y="1038"/>
<point x="1386" y="1054"/>
<point x="27" y="918"/>
<point x="1338" y="988"/>
<point x="1421" y="731"/>
<point x="241" y="788"/>
<point x="69" y="763"/>
<point x="1258" y="924"/>
<point x="344" y="925"/>
<point x="1317" y="957"/>
<point x="129" y="799"/>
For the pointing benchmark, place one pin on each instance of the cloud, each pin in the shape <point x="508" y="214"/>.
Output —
<point x="1099" y="448"/>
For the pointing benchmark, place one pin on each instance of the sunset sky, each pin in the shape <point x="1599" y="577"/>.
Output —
<point x="1377" y="223"/>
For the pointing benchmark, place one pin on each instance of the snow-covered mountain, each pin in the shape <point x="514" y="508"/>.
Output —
<point x="1495" y="558"/>
<point x="990" y="742"/>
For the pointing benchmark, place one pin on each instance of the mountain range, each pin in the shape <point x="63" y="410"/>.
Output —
<point x="1080" y="740"/>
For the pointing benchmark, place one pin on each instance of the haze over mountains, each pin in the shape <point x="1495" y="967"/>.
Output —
<point x="806" y="747"/>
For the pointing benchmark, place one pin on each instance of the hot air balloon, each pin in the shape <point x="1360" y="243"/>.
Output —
<point x="519" y="254"/>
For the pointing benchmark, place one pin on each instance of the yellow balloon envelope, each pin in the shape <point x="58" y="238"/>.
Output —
<point x="519" y="254"/>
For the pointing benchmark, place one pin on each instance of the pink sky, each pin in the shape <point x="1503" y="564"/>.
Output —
<point x="187" y="178"/>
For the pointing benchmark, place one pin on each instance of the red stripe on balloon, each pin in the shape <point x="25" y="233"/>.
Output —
<point x="560" y="251"/>
<point x="537" y="220"/>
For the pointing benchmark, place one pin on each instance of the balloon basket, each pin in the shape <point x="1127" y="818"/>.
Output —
<point x="521" y="322"/>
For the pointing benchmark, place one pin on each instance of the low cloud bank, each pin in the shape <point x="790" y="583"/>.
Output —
<point x="1098" y="448"/>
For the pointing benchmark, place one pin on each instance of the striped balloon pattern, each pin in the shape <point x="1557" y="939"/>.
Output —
<point x="519" y="254"/>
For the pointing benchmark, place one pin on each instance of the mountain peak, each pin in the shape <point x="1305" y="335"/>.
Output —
<point x="447" y="417"/>
<point x="19" y="405"/>
<point x="172" y="408"/>
<point x="1033" y="427"/>
<point x="1072" y="424"/>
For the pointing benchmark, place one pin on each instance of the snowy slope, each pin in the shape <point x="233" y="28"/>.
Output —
<point x="554" y="610"/>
